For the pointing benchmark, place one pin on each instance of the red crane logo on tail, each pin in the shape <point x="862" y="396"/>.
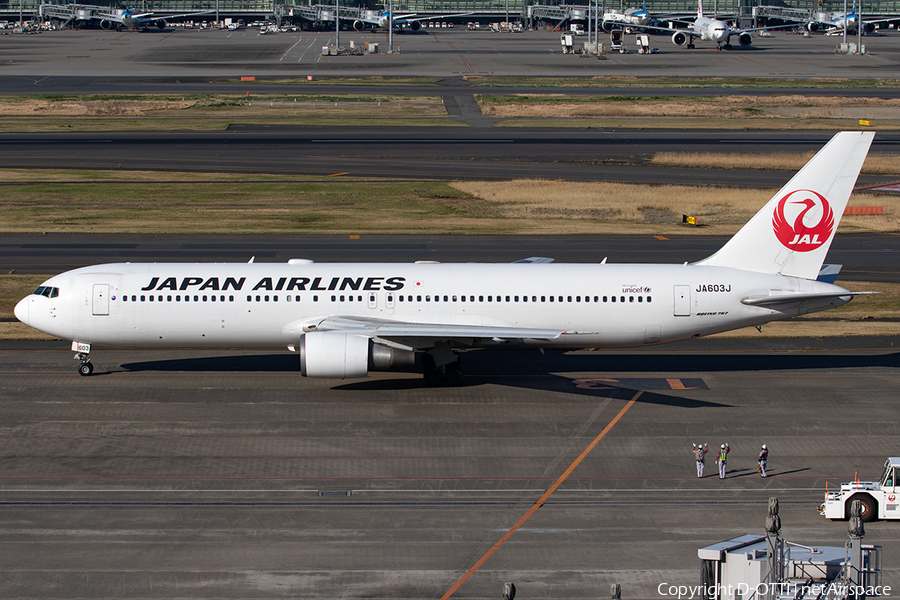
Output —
<point x="803" y="220"/>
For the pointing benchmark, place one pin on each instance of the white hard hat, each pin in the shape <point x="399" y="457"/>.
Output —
<point x="723" y="445"/>
<point x="764" y="447"/>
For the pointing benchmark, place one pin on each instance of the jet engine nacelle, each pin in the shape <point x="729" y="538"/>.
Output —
<point x="106" y="24"/>
<point x="415" y="26"/>
<point x="607" y="25"/>
<point x="161" y="24"/>
<point x="342" y="355"/>
<point x="679" y="38"/>
<point x="868" y="27"/>
<point x="812" y="26"/>
<point x="745" y="39"/>
<point x="358" y="25"/>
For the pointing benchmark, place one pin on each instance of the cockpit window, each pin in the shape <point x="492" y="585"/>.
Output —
<point x="46" y="291"/>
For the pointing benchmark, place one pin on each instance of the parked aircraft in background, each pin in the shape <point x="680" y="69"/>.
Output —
<point x="711" y="30"/>
<point x="412" y="22"/>
<point x="637" y="18"/>
<point x="837" y="22"/>
<point x="132" y="19"/>
<point x="345" y="319"/>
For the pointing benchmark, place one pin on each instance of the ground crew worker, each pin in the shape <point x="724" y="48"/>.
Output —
<point x="722" y="459"/>
<point x="763" y="459"/>
<point x="700" y="451"/>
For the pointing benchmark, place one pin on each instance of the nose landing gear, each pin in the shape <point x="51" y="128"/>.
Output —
<point x="85" y="368"/>
<point x="83" y="353"/>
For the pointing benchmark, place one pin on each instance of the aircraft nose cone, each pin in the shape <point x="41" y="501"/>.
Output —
<point x="21" y="310"/>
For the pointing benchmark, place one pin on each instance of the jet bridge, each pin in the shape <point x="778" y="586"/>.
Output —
<point x="768" y="567"/>
<point x="71" y="16"/>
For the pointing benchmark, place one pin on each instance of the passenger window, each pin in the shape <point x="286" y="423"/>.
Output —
<point x="613" y="298"/>
<point x="649" y="298"/>
<point x="249" y="298"/>
<point x="288" y="298"/>
<point x="151" y="298"/>
<point x="481" y="298"/>
<point x="631" y="298"/>
<point x="543" y="298"/>
<point x="551" y="298"/>
<point x="418" y="298"/>
<point x="534" y="298"/>
<point x="134" y="298"/>
<point x="177" y="298"/>
<point x="315" y="298"/>
<point x="445" y="298"/>
<point x="516" y="298"/>
<point x="454" y="298"/>
<point x="640" y="298"/>
<point x="622" y="298"/>
<point x="212" y="298"/>
<point x="204" y="298"/>
<point x="142" y="298"/>
<point x="197" y="298"/>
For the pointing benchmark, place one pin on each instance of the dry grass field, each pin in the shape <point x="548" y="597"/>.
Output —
<point x="793" y="106"/>
<point x="776" y="161"/>
<point x="554" y="207"/>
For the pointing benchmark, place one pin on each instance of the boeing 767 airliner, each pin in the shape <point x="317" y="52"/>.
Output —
<point x="345" y="319"/>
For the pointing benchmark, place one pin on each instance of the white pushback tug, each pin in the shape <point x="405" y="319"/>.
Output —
<point x="880" y="499"/>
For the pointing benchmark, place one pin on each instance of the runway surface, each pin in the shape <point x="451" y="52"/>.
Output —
<point x="865" y="257"/>
<point x="224" y="474"/>
<point x="427" y="153"/>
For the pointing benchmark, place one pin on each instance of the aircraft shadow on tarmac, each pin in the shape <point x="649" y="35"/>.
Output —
<point x="533" y="370"/>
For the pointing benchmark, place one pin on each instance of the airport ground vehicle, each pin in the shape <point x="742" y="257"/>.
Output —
<point x="879" y="498"/>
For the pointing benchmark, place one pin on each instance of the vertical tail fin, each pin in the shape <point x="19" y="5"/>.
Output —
<point x="699" y="8"/>
<point x="793" y="231"/>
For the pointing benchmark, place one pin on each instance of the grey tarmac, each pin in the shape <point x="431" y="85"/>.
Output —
<point x="224" y="474"/>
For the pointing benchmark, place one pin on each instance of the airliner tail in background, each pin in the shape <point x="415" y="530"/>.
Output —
<point x="346" y="319"/>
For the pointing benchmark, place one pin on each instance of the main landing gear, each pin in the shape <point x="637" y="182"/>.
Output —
<point x="449" y="375"/>
<point x="448" y="372"/>
<point x="85" y="368"/>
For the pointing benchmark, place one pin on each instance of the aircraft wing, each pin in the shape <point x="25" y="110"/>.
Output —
<point x="412" y="18"/>
<point x="533" y="260"/>
<point x="420" y="335"/>
<point x="193" y="14"/>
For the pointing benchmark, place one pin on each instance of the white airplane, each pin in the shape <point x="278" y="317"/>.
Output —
<point x="630" y="17"/>
<point x="134" y="20"/>
<point x="837" y="22"/>
<point x="346" y="319"/>
<point x="711" y="30"/>
<point x="411" y="21"/>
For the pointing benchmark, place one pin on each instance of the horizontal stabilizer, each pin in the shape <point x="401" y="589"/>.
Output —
<point x="829" y="273"/>
<point x="783" y="298"/>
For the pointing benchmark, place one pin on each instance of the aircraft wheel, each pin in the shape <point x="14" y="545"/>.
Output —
<point x="869" y="507"/>
<point x="455" y="378"/>
<point x="85" y="369"/>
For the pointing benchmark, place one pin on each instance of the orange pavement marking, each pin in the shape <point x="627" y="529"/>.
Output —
<point x="541" y="501"/>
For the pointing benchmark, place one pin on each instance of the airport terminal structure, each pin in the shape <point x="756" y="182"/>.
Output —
<point x="313" y="14"/>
